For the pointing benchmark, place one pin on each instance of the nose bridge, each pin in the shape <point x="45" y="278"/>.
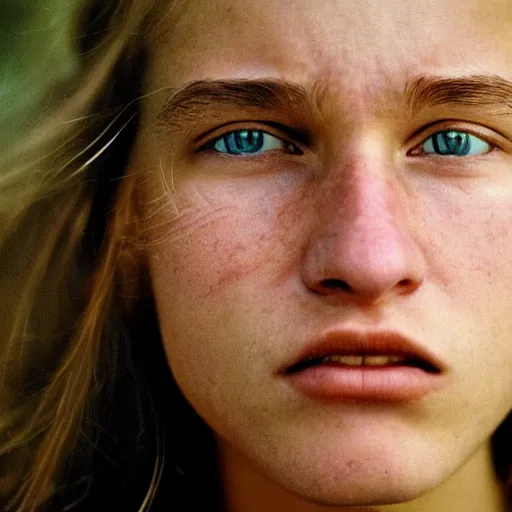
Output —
<point x="362" y="204"/>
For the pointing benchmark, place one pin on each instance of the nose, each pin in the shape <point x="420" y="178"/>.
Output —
<point x="362" y="249"/>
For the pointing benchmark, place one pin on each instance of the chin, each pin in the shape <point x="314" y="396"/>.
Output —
<point x="339" y="481"/>
<point x="365" y="491"/>
<point x="367" y="496"/>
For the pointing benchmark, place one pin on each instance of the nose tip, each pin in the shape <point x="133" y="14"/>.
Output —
<point x="363" y="270"/>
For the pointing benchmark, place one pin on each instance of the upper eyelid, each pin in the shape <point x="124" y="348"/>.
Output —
<point x="491" y="136"/>
<point x="275" y="129"/>
<point x="436" y="132"/>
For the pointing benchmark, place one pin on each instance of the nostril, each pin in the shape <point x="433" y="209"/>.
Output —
<point x="405" y="285"/>
<point x="336" y="284"/>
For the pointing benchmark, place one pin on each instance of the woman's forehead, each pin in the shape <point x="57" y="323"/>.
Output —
<point x="366" y="50"/>
<point x="204" y="38"/>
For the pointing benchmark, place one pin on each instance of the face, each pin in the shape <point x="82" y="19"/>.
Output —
<point x="330" y="179"/>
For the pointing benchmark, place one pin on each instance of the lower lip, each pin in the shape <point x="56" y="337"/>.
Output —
<point x="389" y="383"/>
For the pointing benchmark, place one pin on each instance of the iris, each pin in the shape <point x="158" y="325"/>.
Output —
<point x="455" y="143"/>
<point x="247" y="142"/>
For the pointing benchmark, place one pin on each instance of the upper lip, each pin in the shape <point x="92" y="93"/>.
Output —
<point x="357" y="342"/>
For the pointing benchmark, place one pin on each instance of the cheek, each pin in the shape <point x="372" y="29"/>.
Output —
<point x="212" y="250"/>
<point x="466" y="237"/>
<point x="206" y="239"/>
<point x="469" y="253"/>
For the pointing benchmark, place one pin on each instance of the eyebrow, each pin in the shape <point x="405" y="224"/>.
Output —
<point x="201" y="99"/>
<point x="473" y="90"/>
<point x="197" y="100"/>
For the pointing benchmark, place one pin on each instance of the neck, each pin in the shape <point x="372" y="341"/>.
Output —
<point x="473" y="488"/>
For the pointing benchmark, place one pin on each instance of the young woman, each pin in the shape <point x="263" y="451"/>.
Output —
<point x="256" y="257"/>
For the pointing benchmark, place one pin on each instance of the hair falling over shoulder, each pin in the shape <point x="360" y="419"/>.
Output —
<point x="63" y="345"/>
<point x="70" y="276"/>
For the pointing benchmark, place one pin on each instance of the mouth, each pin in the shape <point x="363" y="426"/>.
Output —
<point x="363" y="360"/>
<point x="361" y="365"/>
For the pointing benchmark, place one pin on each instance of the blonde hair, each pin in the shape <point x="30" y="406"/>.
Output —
<point x="61" y="304"/>
<point x="56" y="308"/>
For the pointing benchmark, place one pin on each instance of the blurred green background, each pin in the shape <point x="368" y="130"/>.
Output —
<point x="38" y="55"/>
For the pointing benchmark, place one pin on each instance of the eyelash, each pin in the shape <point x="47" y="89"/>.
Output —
<point x="258" y="138"/>
<point x="446" y="141"/>
<point x="442" y="140"/>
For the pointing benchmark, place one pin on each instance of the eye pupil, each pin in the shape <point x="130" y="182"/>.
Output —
<point x="244" y="141"/>
<point x="452" y="143"/>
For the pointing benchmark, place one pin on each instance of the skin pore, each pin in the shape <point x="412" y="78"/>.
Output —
<point x="349" y="215"/>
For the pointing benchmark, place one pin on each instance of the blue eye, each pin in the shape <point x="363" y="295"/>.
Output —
<point x="249" y="142"/>
<point x="455" y="143"/>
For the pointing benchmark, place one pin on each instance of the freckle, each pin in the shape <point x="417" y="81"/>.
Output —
<point x="237" y="249"/>
<point x="207" y="293"/>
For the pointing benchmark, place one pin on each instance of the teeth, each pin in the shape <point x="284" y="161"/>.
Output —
<point x="363" y="360"/>
<point x="397" y="359"/>
<point x="348" y="360"/>
<point x="380" y="360"/>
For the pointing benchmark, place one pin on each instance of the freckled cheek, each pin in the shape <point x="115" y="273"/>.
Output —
<point x="468" y="237"/>
<point x="221" y="241"/>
